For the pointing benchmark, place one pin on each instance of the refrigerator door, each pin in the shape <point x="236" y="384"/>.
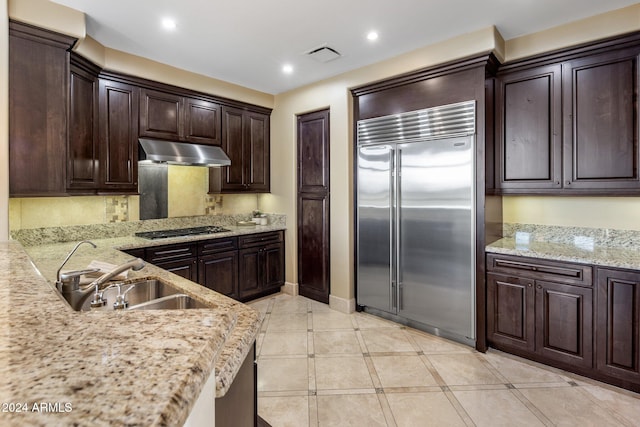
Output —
<point x="375" y="269"/>
<point x="436" y="229"/>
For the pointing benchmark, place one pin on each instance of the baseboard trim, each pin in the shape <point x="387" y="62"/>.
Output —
<point x="292" y="289"/>
<point x="342" y="305"/>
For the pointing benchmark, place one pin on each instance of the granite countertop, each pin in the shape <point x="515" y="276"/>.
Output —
<point x="604" y="248"/>
<point x="131" y="367"/>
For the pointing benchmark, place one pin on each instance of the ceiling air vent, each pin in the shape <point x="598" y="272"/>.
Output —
<point x="324" y="54"/>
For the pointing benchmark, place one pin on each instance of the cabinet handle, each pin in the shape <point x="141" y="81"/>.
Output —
<point x="529" y="285"/>
<point x="557" y="182"/>
<point x="539" y="286"/>
<point x="568" y="183"/>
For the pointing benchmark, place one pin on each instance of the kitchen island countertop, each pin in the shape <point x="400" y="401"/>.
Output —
<point x="104" y="368"/>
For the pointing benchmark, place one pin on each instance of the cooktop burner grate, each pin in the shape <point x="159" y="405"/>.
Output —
<point x="180" y="232"/>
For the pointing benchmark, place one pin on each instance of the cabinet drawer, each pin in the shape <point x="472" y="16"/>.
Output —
<point x="556" y="271"/>
<point x="260" y="239"/>
<point x="217" y="245"/>
<point x="170" y="252"/>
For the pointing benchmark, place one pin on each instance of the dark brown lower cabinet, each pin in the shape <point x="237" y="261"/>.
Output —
<point x="564" y="323"/>
<point x="618" y="325"/>
<point x="261" y="264"/>
<point x="549" y="311"/>
<point x="242" y="268"/>
<point x="239" y="406"/>
<point x="551" y="320"/>
<point x="187" y="268"/>
<point x="219" y="272"/>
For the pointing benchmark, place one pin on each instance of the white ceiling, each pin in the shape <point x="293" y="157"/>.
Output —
<point x="248" y="41"/>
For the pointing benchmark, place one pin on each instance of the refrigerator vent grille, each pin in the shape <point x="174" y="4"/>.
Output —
<point x="437" y="122"/>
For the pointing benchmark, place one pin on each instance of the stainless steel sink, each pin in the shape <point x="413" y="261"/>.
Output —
<point x="170" y="302"/>
<point x="146" y="294"/>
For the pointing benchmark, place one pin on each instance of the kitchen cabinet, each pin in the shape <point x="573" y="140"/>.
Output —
<point x="261" y="261"/>
<point x="239" y="406"/>
<point x="567" y="123"/>
<point x="242" y="268"/>
<point x="618" y="325"/>
<point x="38" y="105"/>
<point x="528" y="124"/>
<point x="180" y="259"/>
<point x="173" y="117"/>
<point x="541" y="309"/>
<point x="118" y="136"/>
<point x="82" y="148"/>
<point x="218" y="265"/>
<point x="245" y="139"/>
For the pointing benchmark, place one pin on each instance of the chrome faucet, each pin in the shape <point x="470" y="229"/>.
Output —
<point x="98" y="301"/>
<point x="69" y="281"/>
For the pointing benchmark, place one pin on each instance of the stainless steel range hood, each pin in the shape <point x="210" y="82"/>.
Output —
<point x="180" y="153"/>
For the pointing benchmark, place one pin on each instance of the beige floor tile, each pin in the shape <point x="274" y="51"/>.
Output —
<point x="282" y="374"/>
<point x="335" y="373"/>
<point x="284" y="343"/>
<point x="462" y="369"/>
<point x="569" y="407"/>
<point x="368" y="321"/>
<point x="423" y="409"/>
<point x="287" y="322"/>
<point x="402" y="371"/>
<point x="386" y="340"/>
<point x="261" y="305"/>
<point x="354" y="410"/>
<point x="336" y="342"/>
<point x="327" y="320"/>
<point x="289" y="411"/>
<point x="431" y="344"/>
<point x="290" y="304"/>
<point x="496" y="408"/>
<point x="520" y="371"/>
<point x="623" y="403"/>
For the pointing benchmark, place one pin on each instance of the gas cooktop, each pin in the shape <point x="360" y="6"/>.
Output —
<point x="179" y="232"/>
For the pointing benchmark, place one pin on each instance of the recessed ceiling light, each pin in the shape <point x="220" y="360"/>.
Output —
<point x="169" y="24"/>
<point x="287" y="69"/>
<point x="372" y="36"/>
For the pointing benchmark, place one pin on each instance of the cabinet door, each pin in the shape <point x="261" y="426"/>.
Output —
<point x="618" y="324"/>
<point x="601" y="121"/>
<point x="510" y="312"/>
<point x="564" y="323"/>
<point x="528" y="126"/>
<point x="273" y="256"/>
<point x="118" y="124"/>
<point x="161" y="114"/>
<point x="250" y="272"/>
<point x="187" y="268"/>
<point x="256" y="146"/>
<point x="82" y="155"/>
<point x="38" y="94"/>
<point x="232" y="177"/>
<point x="202" y="122"/>
<point x="220" y="273"/>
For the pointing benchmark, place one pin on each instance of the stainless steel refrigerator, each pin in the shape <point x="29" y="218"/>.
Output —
<point x="416" y="219"/>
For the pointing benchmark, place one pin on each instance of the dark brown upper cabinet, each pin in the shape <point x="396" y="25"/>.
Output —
<point x="567" y="122"/>
<point x="528" y="124"/>
<point x="601" y="121"/>
<point x="202" y="122"/>
<point x="245" y="139"/>
<point x="38" y="106"/>
<point x="82" y="148"/>
<point x="172" y="117"/>
<point x="161" y="114"/>
<point x="118" y="129"/>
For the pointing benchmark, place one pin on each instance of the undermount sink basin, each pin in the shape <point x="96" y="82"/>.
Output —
<point x="146" y="294"/>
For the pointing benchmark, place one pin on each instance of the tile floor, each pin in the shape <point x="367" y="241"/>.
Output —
<point x="320" y="367"/>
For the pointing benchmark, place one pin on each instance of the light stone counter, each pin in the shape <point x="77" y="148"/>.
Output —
<point x="124" y="368"/>
<point x="601" y="247"/>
